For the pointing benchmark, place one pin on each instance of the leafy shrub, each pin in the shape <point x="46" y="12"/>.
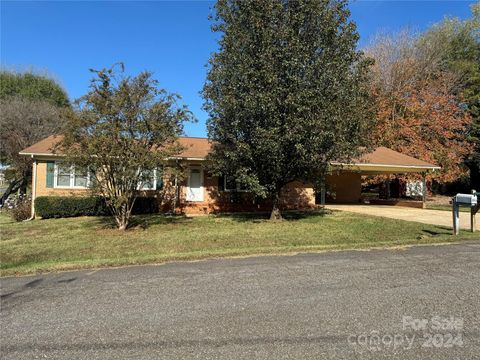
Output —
<point x="145" y="205"/>
<point x="67" y="206"/>
<point x="460" y="185"/>
<point x="22" y="211"/>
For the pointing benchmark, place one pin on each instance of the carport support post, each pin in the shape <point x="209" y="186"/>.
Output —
<point x="456" y="220"/>
<point x="424" y="185"/>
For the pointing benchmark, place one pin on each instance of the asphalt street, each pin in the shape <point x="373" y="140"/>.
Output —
<point x="415" y="303"/>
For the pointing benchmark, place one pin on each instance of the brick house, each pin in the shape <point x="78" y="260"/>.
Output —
<point x="202" y="193"/>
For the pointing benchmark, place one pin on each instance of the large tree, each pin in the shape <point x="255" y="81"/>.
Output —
<point x="121" y="132"/>
<point x="32" y="86"/>
<point x="285" y="92"/>
<point x="418" y="110"/>
<point x="30" y="107"/>
<point x="454" y="44"/>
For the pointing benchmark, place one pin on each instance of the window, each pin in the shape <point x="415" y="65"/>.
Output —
<point x="147" y="180"/>
<point x="63" y="176"/>
<point x="80" y="179"/>
<point x="230" y="184"/>
<point x="70" y="177"/>
<point x="151" y="180"/>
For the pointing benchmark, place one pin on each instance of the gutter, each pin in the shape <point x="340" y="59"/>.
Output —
<point x="413" y="167"/>
<point x="60" y="155"/>
<point x="38" y="154"/>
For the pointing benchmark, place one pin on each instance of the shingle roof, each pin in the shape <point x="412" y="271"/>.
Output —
<point x="43" y="147"/>
<point x="198" y="148"/>
<point x="386" y="156"/>
<point x="194" y="147"/>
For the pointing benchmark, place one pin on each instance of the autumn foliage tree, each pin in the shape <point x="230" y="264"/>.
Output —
<point x="455" y="45"/>
<point x="417" y="110"/>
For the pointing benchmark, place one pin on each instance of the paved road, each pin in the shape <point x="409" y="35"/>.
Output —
<point x="321" y="306"/>
<point x="425" y="216"/>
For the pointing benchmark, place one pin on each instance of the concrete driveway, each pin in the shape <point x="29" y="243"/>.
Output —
<point x="426" y="216"/>
<point x="337" y="305"/>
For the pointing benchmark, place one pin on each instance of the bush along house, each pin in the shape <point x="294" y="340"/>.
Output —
<point x="199" y="192"/>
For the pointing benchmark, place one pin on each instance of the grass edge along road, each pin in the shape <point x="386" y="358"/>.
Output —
<point x="90" y="242"/>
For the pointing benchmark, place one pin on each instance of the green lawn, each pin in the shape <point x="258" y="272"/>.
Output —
<point x="60" y="244"/>
<point x="446" y="208"/>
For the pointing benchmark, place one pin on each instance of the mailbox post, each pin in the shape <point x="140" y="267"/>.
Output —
<point x="456" y="216"/>
<point x="473" y="212"/>
<point x="469" y="200"/>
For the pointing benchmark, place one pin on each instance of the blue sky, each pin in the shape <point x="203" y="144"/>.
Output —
<point x="170" y="38"/>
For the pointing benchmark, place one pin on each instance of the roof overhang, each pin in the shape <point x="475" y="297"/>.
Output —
<point x="186" y="158"/>
<point x="380" y="161"/>
<point x="49" y="155"/>
<point x="38" y="154"/>
<point x="384" y="168"/>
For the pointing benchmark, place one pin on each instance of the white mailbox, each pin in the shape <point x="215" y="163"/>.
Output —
<point x="466" y="199"/>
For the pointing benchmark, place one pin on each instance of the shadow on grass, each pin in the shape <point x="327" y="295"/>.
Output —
<point x="288" y="215"/>
<point x="143" y="221"/>
<point x="442" y="230"/>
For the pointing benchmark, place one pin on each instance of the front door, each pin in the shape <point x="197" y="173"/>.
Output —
<point x="195" y="185"/>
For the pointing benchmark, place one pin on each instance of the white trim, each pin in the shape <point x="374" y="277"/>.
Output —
<point x="186" y="158"/>
<point x="334" y="163"/>
<point x="40" y="154"/>
<point x="202" y="191"/>
<point x="154" y="183"/>
<point x="168" y="158"/>
<point x="423" y="167"/>
<point x="360" y="165"/>
<point x="72" y="179"/>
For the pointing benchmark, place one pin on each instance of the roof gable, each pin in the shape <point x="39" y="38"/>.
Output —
<point x="386" y="156"/>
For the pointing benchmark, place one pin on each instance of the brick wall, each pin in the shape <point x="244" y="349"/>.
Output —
<point x="42" y="189"/>
<point x="344" y="187"/>
<point x="296" y="195"/>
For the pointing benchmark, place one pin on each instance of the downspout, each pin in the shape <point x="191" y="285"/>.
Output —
<point x="34" y="189"/>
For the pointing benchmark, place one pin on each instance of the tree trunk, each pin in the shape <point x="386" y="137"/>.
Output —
<point x="276" y="215"/>
<point x="13" y="187"/>
<point x="122" y="218"/>
<point x="122" y="222"/>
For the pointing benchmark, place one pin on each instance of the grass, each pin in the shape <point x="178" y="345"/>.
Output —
<point x="85" y="242"/>
<point x="446" y="208"/>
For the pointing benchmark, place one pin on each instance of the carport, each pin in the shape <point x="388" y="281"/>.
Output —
<point x="345" y="179"/>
